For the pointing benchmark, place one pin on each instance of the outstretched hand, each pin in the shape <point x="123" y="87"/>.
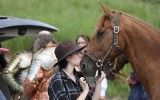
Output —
<point x="129" y="81"/>
<point x="103" y="75"/>
<point x="5" y="50"/>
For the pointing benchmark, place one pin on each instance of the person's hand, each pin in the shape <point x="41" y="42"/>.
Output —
<point x="77" y="68"/>
<point x="129" y="81"/>
<point x="84" y="84"/>
<point x="5" y="50"/>
<point x="103" y="75"/>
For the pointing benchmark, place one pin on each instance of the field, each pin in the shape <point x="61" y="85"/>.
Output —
<point x="74" y="17"/>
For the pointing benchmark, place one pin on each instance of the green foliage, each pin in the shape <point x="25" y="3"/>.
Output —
<point x="74" y="17"/>
<point x="152" y="1"/>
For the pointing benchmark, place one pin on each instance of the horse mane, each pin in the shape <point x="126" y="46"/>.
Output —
<point x="139" y="21"/>
<point x="132" y="18"/>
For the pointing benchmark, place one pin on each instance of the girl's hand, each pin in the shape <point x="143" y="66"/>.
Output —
<point x="103" y="75"/>
<point x="84" y="84"/>
<point x="129" y="81"/>
<point x="5" y="50"/>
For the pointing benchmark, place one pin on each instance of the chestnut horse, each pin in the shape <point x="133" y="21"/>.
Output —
<point x="118" y="32"/>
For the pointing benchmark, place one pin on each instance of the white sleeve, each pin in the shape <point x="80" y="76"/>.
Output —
<point x="104" y="86"/>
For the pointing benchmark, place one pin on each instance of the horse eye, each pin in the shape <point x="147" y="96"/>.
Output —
<point x="100" y="31"/>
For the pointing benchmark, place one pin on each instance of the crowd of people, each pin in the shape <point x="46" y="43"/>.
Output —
<point x="33" y="75"/>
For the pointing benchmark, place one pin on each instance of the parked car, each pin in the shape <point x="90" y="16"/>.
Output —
<point x="11" y="27"/>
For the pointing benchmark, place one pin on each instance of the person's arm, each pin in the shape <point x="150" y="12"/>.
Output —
<point x="129" y="81"/>
<point x="132" y="79"/>
<point x="9" y="72"/>
<point x="5" y="50"/>
<point x="96" y="95"/>
<point x="104" y="86"/>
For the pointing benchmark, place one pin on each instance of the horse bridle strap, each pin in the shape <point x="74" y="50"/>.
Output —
<point x="116" y="29"/>
<point x="114" y="43"/>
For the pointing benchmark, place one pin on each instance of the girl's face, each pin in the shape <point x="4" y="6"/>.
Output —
<point x="50" y="44"/>
<point x="75" y="58"/>
<point x="81" y="42"/>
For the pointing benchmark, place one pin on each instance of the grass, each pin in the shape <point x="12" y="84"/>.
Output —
<point x="74" y="17"/>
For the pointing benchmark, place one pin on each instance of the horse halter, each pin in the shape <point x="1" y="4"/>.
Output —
<point x="114" y="43"/>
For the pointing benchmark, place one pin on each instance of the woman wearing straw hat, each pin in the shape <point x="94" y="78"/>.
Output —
<point x="66" y="85"/>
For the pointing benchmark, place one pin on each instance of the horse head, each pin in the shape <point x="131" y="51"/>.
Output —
<point x="105" y="45"/>
<point x="118" y="33"/>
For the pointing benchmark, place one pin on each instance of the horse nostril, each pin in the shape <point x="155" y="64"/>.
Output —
<point x="83" y="66"/>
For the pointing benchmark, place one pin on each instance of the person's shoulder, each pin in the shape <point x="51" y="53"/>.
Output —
<point x="23" y="57"/>
<point x="22" y="54"/>
<point x="57" y="77"/>
<point x="56" y="80"/>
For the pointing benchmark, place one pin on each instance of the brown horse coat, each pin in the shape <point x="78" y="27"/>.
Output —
<point x="139" y="41"/>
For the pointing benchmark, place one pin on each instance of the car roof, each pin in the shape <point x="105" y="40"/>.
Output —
<point x="11" y="27"/>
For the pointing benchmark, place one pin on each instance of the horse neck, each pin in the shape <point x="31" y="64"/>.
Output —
<point x="140" y="36"/>
<point x="142" y="49"/>
<point x="122" y="60"/>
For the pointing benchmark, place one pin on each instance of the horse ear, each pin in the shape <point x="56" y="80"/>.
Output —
<point x="106" y="11"/>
